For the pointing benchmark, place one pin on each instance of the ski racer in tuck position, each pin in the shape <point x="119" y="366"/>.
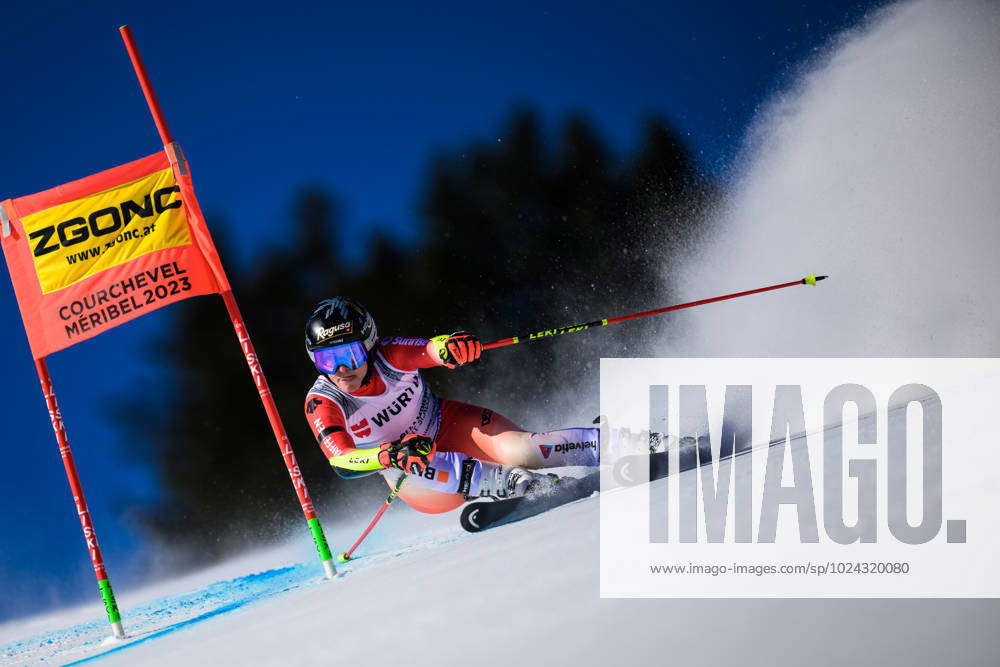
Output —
<point x="370" y="411"/>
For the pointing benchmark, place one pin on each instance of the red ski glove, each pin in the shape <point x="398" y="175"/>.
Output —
<point x="413" y="450"/>
<point x="458" y="349"/>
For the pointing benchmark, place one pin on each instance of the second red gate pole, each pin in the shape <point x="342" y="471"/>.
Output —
<point x="239" y="326"/>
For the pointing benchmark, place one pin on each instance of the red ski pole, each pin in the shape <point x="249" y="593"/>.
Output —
<point x="808" y="280"/>
<point x="346" y="555"/>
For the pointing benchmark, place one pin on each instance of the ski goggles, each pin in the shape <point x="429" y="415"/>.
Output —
<point x="329" y="359"/>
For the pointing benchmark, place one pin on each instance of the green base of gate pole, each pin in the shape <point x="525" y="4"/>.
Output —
<point x="325" y="555"/>
<point x="111" y="607"/>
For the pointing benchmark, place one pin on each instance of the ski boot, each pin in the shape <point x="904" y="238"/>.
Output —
<point x="502" y="481"/>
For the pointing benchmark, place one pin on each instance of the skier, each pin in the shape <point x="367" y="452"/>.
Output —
<point x="370" y="411"/>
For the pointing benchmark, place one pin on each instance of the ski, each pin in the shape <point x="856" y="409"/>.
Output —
<point x="483" y="514"/>
<point x="628" y="470"/>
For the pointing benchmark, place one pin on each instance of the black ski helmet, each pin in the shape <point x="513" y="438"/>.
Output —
<point x="338" y="321"/>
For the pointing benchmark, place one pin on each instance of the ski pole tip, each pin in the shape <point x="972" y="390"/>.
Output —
<point x="342" y="557"/>
<point x="812" y="279"/>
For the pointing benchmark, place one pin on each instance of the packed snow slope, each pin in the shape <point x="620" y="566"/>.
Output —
<point x="525" y="593"/>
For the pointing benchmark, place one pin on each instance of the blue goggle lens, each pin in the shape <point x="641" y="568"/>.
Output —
<point x="329" y="359"/>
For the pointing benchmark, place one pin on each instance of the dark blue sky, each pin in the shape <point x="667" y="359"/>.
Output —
<point x="268" y="97"/>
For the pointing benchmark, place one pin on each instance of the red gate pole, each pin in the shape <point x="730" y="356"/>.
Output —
<point x="239" y="326"/>
<point x="86" y="523"/>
